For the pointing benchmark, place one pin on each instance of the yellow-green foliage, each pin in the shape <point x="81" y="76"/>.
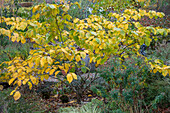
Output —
<point x="93" y="33"/>
<point x="117" y="5"/>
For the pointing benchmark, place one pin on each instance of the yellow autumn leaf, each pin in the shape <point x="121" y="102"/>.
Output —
<point x="14" y="75"/>
<point x="30" y="85"/>
<point x="86" y="51"/>
<point x="41" y="77"/>
<point x="11" y="80"/>
<point x="30" y="63"/>
<point x="67" y="66"/>
<point x="51" y="71"/>
<point x="166" y="67"/>
<point x="12" y="92"/>
<point x="43" y="61"/>
<point x="74" y="75"/>
<point x="23" y="25"/>
<point x="35" y="8"/>
<point x="73" y="101"/>
<point x="49" y="60"/>
<point x="33" y="79"/>
<point x="83" y="55"/>
<point x="25" y="81"/>
<point x="46" y="76"/>
<point x="91" y="59"/>
<point x="126" y="26"/>
<point x="76" y="20"/>
<point x="19" y="83"/>
<point x="109" y="26"/>
<point x="52" y="51"/>
<point x="61" y="67"/>
<point x="56" y="73"/>
<point x="155" y="70"/>
<point x="160" y="14"/>
<point x="66" y="8"/>
<point x="117" y="16"/>
<point x="37" y="61"/>
<point x="28" y="69"/>
<point x="135" y="17"/>
<point x="98" y="61"/>
<point x="7" y="33"/>
<point x="88" y="20"/>
<point x="17" y="95"/>
<point x="64" y="50"/>
<point x="78" y="58"/>
<point x="1" y="87"/>
<point x="121" y="19"/>
<point x="69" y="77"/>
<point x="37" y="15"/>
<point x="137" y="24"/>
<point x="13" y="38"/>
<point x="164" y="72"/>
<point x="19" y="71"/>
<point x="89" y="95"/>
<point x="157" y="61"/>
<point x="23" y="40"/>
<point x="67" y="56"/>
<point x="47" y="70"/>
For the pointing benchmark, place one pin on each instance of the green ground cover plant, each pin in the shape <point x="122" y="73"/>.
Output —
<point x="130" y="86"/>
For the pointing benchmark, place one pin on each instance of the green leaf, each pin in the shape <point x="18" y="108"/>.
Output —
<point x="148" y="41"/>
<point x="51" y="6"/>
<point x="87" y="35"/>
<point x="83" y="69"/>
<point x="160" y="31"/>
<point x="103" y="60"/>
<point x="83" y="55"/>
<point x="76" y="39"/>
<point x="98" y="41"/>
<point x="94" y="33"/>
<point x="66" y="8"/>
<point x="122" y="33"/>
<point x="72" y="69"/>
<point x="117" y="29"/>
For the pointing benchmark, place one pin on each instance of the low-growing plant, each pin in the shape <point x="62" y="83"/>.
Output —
<point x="81" y="11"/>
<point x="161" y="51"/>
<point x="91" y="107"/>
<point x="24" y="12"/>
<point x="125" y="84"/>
<point x="13" y="50"/>
<point x="156" y="94"/>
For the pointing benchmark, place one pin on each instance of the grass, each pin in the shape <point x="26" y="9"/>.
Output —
<point x="91" y="107"/>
